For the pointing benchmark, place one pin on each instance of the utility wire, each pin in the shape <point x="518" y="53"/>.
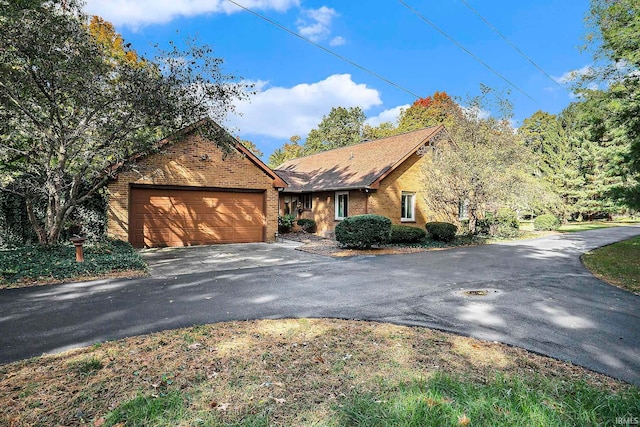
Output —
<point x="510" y="43"/>
<point x="419" y="15"/>
<point x="366" y="70"/>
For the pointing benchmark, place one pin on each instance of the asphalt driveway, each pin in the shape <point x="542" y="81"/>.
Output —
<point x="536" y="295"/>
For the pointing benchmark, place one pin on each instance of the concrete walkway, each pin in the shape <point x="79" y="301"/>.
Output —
<point x="538" y="296"/>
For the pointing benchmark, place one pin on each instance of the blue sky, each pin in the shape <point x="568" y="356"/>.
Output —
<point x="298" y="83"/>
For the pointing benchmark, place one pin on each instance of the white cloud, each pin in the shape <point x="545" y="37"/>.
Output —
<point x="337" y="41"/>
<point x="389" y="115"/>
<point x="573" y="75"/>
<point x="316" y="23"/>
<point x="476" y="112"/>
<point x="136" y="13"/>
<point x="281" y="112"/>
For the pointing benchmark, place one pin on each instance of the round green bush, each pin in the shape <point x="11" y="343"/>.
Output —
<point x="406" y="234"/>
<point x="363" y="231"/>
<point x="503" y="223"/>
<point x="442" y="231"/>
<point x="285" y="223"/>
<point x="307" y="225"/>
<point x="546" y="222"/>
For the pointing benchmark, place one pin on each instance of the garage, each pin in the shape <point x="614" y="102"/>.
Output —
<point x="166" y="216"/>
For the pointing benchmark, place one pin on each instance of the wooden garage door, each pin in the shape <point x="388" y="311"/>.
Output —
<point x="170" y="217"/>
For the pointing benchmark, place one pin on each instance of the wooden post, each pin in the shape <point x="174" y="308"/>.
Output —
<point x="77" y="242"/>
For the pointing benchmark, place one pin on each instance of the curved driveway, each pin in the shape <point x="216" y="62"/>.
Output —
<point x="538" y="296"/>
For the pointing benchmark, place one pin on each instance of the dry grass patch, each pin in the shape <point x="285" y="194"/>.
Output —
<point x="289" y="372"/>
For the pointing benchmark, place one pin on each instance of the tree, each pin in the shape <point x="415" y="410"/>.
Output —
<point x="286" y="152"/>
<point x="597" y="169"/>
<point x="341" y="127"/>
<point x="383" y="130"/>
<point x="438" y="109"/>
<point x="615" y="27"/>
<point x="486" y="168"/>
<point x="251" y="146"/>
<point x="547" y="138"/>
<point x="74" y="109"/>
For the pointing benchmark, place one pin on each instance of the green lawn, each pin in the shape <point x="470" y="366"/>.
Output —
<point x="49" y="264"/>
<point x="618" y="264"/>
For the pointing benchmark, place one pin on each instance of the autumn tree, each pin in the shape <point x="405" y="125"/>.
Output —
<point x="486" y="168"/>
<point x="341" y="127"/>
<point x="77" y="105"/>
<point x="438" y="109"/>
<point x="291" y="150"/>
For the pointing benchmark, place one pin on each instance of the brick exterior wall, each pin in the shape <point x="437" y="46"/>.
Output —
<point x="385" y="201"/>
<point x="191" y="162"/>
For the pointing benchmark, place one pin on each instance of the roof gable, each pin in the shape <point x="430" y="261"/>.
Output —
<point x="361" y="165"/>
<point x="233" y="144"/>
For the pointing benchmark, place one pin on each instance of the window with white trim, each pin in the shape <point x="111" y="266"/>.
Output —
<point x="408" y="207"/>
<point x="463" y="209"/>
<point x="342" y="204"/>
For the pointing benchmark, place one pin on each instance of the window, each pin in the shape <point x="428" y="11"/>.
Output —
<point x="307" y="203"/>
<point x="290" y="205"/>
<point x="342" y="204"/>
<point x="463" y="209"/>
<point x="408" y="207"/>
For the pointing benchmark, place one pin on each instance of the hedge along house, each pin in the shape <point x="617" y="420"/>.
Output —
<point x="381" y="177"/>
<point x="193" y="192"/>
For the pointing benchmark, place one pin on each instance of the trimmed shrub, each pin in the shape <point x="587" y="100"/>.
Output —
<point x="307" y="225"/>
<point x="363" y="231"/>
<point x="406" y="234"/>
<point x="546" y="222"/>
<point x="442" y="231"/>
<point x="285" y="223"/>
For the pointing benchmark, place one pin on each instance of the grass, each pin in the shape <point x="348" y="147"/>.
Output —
<point x="30" y="265"/>
<point x="307" y="372"/>
<point x="618" y="264"/>
<point x="576" y="226"/>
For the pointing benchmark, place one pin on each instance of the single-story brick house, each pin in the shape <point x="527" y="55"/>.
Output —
<point x="192" y="192"/>
<point x="376" y="177"/>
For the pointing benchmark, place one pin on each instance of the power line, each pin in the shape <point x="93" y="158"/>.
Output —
<point x="366" y="70"/>
<point x="419" y="15"/>
<point x="510" y="43"/>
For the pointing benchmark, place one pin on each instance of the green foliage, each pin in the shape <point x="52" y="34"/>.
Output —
<point x="444" y="400"/>
<point x="363" y="231"/>
<point x="31" y="263"/>
<point x="307" y="224"/>
<point x="546" y="222"/>
<point x="615" y="31"/>
<point x="286" y="152"/>
<point x="406" y="234"/>
<point x="502" y="224"/>
<point x="164" y="410"/>
<point x="340" y="128"/>
<point x="285" y="222"/>
<point x="77" y="103"/>
<point x="442" y="231"/>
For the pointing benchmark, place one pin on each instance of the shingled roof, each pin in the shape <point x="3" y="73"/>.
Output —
<point x="357" y="166"/>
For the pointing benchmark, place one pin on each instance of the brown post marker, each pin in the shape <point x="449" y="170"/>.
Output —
<point x="77" y="242"/>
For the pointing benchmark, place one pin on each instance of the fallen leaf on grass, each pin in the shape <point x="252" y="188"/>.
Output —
<point x="463" y="420"/>
<point x="219" y="406"/>
<point x="99" y="422"/>
<point x="279" y="400"/>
